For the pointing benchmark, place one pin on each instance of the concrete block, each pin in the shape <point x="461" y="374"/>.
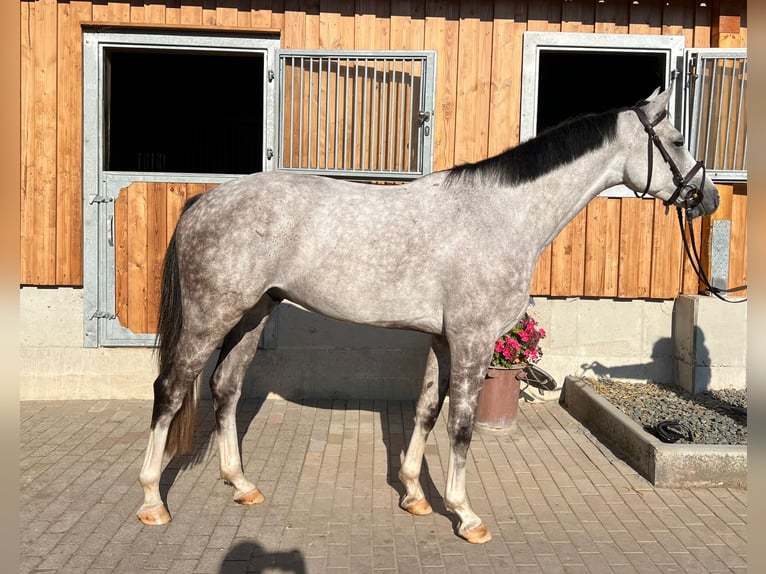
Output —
<point x="51" y="317"/>
<point x="710" y="342"/>
<point x="664" y="465"/>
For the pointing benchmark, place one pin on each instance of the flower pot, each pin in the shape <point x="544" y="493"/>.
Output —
<point x="498" y="405"/>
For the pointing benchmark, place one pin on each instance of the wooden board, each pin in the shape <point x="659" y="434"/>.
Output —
<point x="441" y="35"/>
<point x="145" y="215"/>
<point x="568" y="258"/>
<point x="39" y="156"/>
<point x="738" y="245"/>
<point x="602" y="242"/>
<point x="68" y="143"/>
<point x="473" y="82"/>
<point x="637" y="217"/>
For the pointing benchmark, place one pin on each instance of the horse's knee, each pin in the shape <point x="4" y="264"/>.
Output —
<point x="427" y="415"/>
<point x="461" y="435"/>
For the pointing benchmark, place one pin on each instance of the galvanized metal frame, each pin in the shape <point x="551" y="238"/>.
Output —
<point x="536" y="42"/>
<point x="696" y="58"/>
<point x="101" y="187"/>
<point x="319" y="59"/>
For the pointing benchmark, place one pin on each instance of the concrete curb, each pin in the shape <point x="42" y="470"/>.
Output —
<point x="664" y="465"/>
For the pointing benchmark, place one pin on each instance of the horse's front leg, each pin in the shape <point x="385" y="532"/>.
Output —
<point x="468" y="371"/>
<point x="237" y="352"/>
<point x="429" y="405"/>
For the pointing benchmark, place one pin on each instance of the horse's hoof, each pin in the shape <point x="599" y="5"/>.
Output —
<point x="477" y="535"/>
<point x="249" y="498"/>
<point x="418" y="508"/>
<point x="154" y="516"/>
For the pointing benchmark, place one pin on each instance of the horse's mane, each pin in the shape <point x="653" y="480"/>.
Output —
<point x="552" y="148"/>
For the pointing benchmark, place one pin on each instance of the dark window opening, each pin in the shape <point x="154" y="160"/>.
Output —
<point x="189" y="112"/>
<point x="576" y="82"/>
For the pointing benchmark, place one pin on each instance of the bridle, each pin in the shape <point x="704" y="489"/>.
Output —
<point x="688" y="200"/>
<point x="693" y="194"/>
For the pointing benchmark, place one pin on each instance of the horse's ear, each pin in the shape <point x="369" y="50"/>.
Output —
<point x="656" y="103"/>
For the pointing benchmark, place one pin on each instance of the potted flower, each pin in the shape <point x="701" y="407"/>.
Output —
<point x="499" y="397"/>
<point x="520" y="346"/>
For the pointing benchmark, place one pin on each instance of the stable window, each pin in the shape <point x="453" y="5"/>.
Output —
<point x="183" y="111"/>
<point x="357" y="114"/>
<point x="717" y="110"/>
<point x="566" y="74"/>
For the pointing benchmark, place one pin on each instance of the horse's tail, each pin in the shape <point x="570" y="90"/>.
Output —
<point x="169" y="327"/>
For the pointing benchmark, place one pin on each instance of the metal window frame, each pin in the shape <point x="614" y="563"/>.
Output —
<point x="692" y="115"/>
<point x="101" y="187"/>
<point x="426" y="109"/>
<point x="536" y="42"/>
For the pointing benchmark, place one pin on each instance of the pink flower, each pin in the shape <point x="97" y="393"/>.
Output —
<point x="519" y="345"/>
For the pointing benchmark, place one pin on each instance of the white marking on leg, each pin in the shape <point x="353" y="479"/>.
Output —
<point x="409" y="473"/>
<point x="149" y="477"/>
<point x="455" y="496"/>
<point x="228" y="448"/>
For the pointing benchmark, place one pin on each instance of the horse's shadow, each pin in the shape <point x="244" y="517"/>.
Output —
<point x="252" y="557"/>
<point x="391" y="420"/>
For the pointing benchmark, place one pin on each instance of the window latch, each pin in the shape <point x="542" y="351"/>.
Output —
<point x="423" y="117"/>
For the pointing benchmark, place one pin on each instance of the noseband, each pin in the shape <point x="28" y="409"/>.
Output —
<point x="693" y="195"/>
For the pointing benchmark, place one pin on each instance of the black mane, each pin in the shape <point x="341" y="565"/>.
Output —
<point x="552" y="148"/>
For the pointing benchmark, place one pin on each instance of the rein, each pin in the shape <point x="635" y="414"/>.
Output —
<point x="696" y="263"/>
<point x="689" y="200"/>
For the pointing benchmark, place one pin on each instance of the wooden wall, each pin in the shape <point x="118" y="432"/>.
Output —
<point x="615" y="248"/>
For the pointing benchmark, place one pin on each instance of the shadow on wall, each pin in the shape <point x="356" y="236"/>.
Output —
<point x="666" y="353"/>
<point x="662" y="353"/>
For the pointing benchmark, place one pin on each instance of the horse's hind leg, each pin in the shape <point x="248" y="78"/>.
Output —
<point x="173" y="391"/>
<point x="238" y="350"/>
<point x="429" y="405"/>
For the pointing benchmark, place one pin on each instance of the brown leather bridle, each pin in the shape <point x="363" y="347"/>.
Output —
<point x="693" y="194"/>
<point x="679" y="199"/>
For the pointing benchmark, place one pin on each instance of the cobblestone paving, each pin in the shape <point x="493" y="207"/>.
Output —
<point x="554" y="499"/>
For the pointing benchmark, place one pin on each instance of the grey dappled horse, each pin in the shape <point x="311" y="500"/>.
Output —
<point x="451" y="254"/>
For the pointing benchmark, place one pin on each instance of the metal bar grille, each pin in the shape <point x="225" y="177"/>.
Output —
<point x="361" y="115"/>
<point x="718" y="111"/>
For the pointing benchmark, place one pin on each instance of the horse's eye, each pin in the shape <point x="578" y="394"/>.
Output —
<point x="679" y="143"/>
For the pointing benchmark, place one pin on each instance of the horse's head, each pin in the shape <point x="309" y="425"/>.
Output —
<point x="660" y="164"/>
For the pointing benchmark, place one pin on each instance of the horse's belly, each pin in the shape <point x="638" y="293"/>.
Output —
<point x="425" y="317"/>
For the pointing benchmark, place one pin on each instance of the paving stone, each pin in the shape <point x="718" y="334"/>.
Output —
<point x="554" y="498"/>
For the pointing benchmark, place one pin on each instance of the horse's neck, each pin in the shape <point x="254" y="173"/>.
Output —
<point x="550" y="202"/>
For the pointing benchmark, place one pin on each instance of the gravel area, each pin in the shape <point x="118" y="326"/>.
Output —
<point x="714" y="417"/>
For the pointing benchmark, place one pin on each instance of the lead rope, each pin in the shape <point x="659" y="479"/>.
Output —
<point x="696" y="263"/>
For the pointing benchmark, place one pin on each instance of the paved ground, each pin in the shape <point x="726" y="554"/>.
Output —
<point x="554" y="499"/>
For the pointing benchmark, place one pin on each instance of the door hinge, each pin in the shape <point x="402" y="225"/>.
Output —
<point x="271" y="75"/>
<point x="103" y="315"/>
<point x="269" y="153"/>
<point x="101" y="199"/>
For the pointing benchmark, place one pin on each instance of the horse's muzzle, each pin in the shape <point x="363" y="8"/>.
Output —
<point x="697" y="202"/>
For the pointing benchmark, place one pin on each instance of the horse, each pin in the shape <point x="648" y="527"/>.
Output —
<point x="450" y="254"/>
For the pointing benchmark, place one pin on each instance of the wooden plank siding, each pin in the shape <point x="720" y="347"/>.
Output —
<point x="623" y="248"/>
<point x="145" y="215"/>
